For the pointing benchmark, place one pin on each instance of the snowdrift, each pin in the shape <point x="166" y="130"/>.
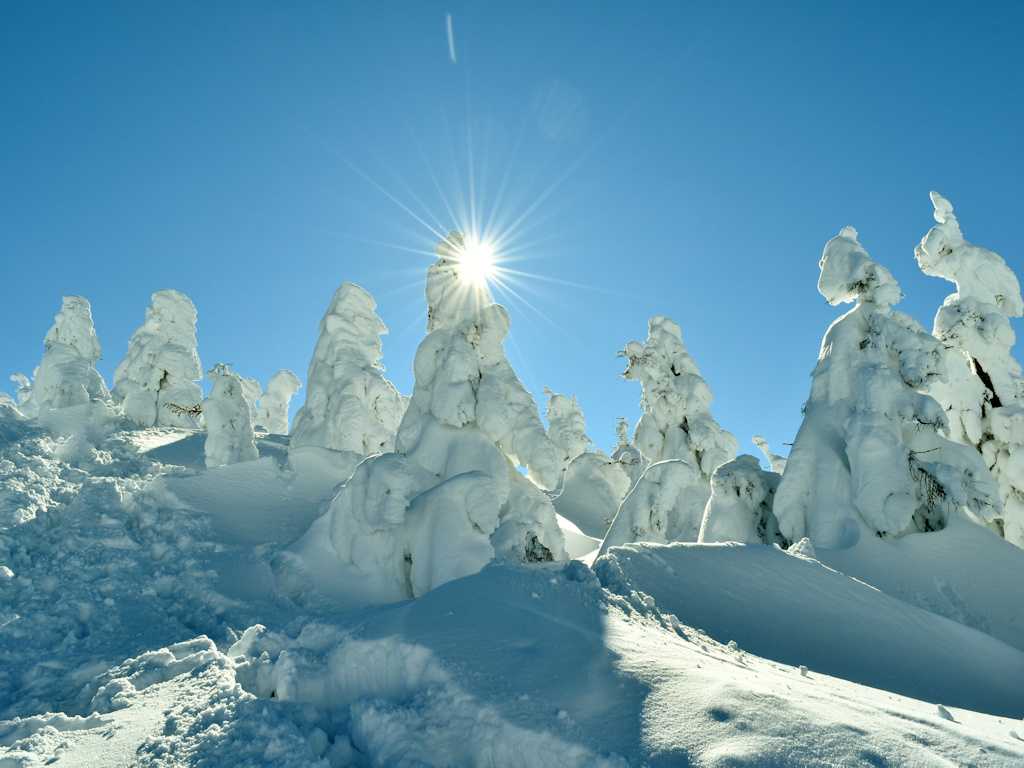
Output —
<point x="795" y="610"/>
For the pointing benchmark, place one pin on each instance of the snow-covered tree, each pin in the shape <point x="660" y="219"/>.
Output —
<point x="627" y="454"/>
<point x="349" y="406"/>
<point x="740" y="507"/>
<point x="983" y="395"/>
<point x="666" y="504"/>
<point x="680" y="441"/>
<point x="870" y="456"/>
<point x="777" y="462"/>
<point x="566" y="426"/>
<point x="66" y="376"/>
<point x="252" y="391"/>
<point x="229" y="432"/>
<point x="162" y="364"/>
<point x="593" y="485"/>
<point x="272" y="413"/>
<point x="676" y="422"/>
<point x="23" y="389"/>
<point x="450" y="498"/>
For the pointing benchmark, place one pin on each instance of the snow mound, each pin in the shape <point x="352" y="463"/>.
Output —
<point x="740" y="507"/>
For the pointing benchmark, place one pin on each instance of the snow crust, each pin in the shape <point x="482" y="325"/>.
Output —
<point x="162" y="364"/>
<point x="349" y="406"/>
<point x="871" y="455"/>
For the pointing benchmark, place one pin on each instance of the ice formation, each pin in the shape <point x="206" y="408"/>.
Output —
<point x="449" y="499"/>
<point x="229" y="432"/>
<point x="67" y="376"/>
<point x="162" y="364"/>
<point x="566" y="426"/>
<point x="777" y="462"/>
<point x="349" y="406"/>
<point x="983" y="396"/>
<point x="870" y="455"/>
<point x="740" y="507"/>
<point x="676" y="421"/>
<point x="272" y="413"/>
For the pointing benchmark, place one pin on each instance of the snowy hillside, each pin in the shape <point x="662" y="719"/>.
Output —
<point x="444" y="579"/>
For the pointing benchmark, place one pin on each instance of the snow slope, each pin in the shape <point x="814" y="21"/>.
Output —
<point x="140" y="624"/>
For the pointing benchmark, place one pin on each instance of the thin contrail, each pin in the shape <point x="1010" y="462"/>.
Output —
<point x="451" y="38"/>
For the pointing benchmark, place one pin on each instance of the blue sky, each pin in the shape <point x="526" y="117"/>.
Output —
<point x="676" y="158"/>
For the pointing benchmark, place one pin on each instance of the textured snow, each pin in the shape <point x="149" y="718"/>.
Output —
<point x="162" y="364"/>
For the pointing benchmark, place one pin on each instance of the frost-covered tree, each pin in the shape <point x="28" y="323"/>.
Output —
<point x="870" y="455"/>
<point x="252" y="391"/>
<point x="272" y="413"/>
<point x="66" y="376"/>
<point x="676" y="422"/>
<point x="23" y="389"/>
<point x="740" y="507"/>
<point x="593" y="485"/>
<point x="983" y="394"/>
<point x="679" y="439"/>
<point x="777" y="462"/>
<point x="229" y="432"/>
<point x="349" y="406"/>
<point x="450" y="498"/>
<point x="162" y="364"/>
<point x="666" y="504"/>
<point x="566" y="426"/>
<point x="627" y="454"/>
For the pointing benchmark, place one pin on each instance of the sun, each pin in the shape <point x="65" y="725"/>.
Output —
<point x="475" y="262"/>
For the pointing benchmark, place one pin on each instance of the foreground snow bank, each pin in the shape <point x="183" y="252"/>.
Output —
<point x="513" y="666"/>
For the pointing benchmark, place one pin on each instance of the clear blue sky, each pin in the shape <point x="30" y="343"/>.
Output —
<point x="677" y="158"/>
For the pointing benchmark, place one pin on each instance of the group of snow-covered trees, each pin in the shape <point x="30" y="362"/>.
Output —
<point x="902" y="429"/>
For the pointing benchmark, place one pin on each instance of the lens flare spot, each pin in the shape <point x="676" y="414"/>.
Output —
<point x="476" y="263"/>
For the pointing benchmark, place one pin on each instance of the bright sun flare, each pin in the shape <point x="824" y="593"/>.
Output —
<point x="476" y="263"/>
